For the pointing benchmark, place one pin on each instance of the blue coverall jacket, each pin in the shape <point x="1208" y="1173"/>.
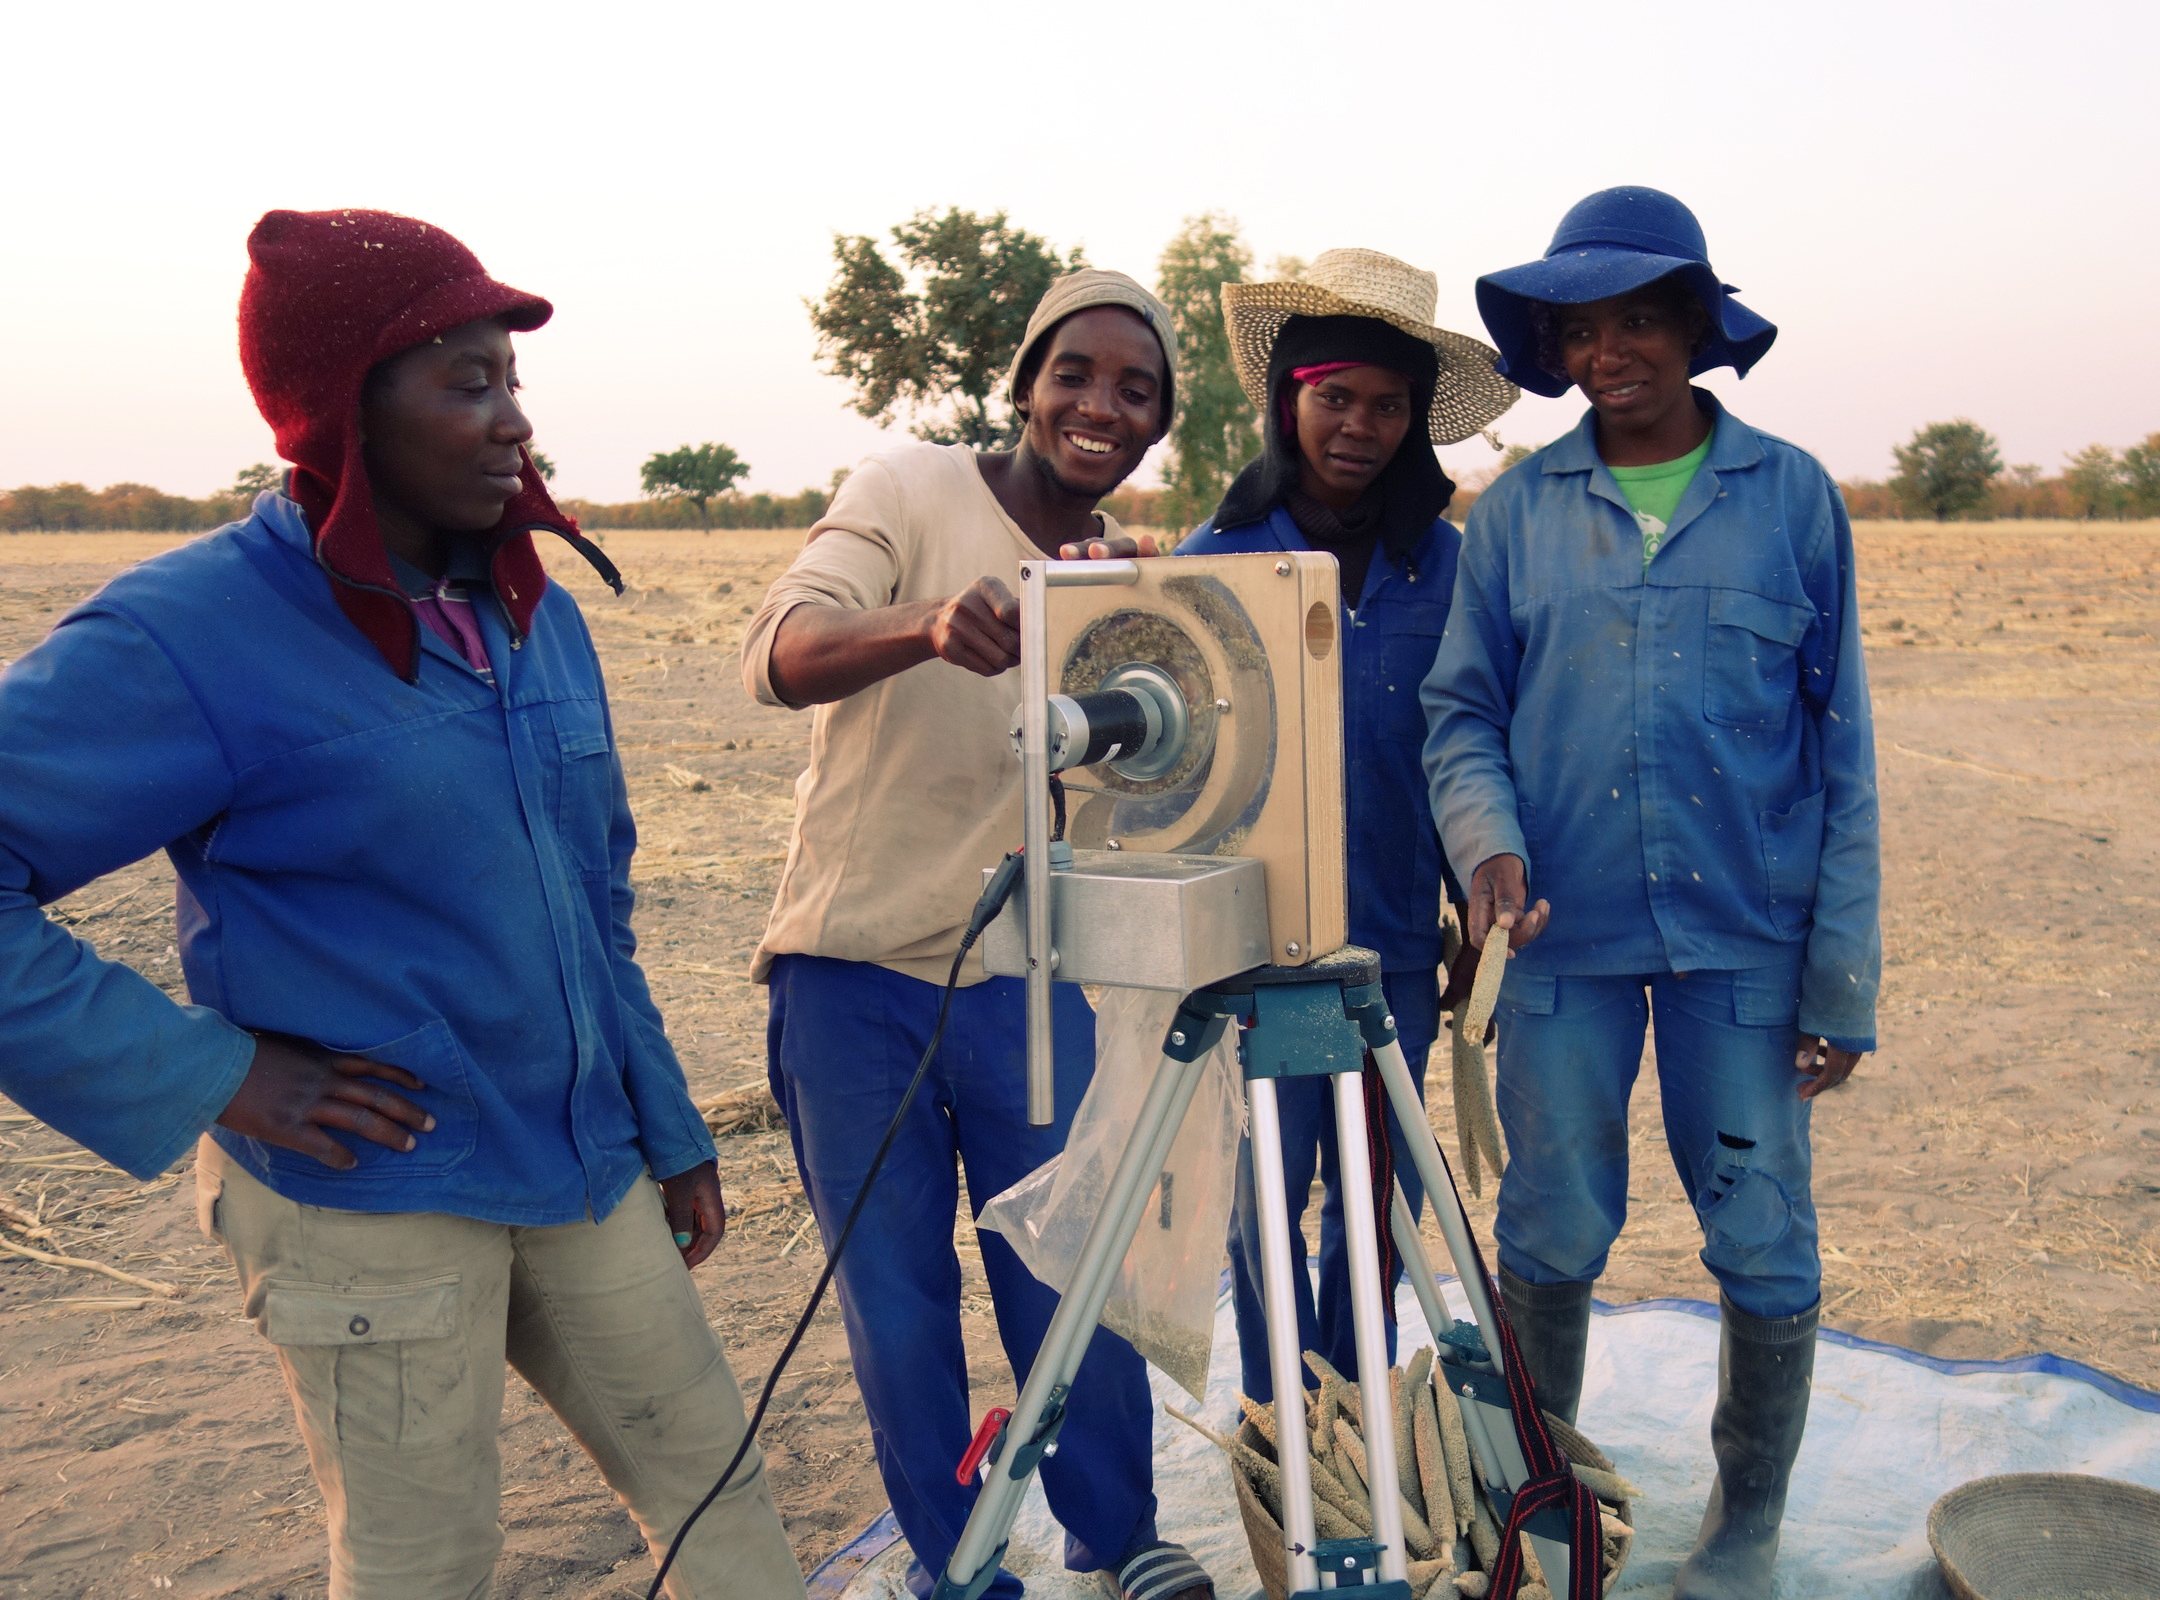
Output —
<point x="431" y="874"/>
<point x="1682" y="753"/>
<point x="1397" y="871"/>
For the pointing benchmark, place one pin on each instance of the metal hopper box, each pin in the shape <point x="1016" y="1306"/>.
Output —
<point x="1141" y="920"/>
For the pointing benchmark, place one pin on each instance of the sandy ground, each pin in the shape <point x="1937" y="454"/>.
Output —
<point x="1989" y="1182"/>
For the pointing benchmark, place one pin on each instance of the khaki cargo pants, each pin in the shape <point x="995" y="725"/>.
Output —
<point x="393" y="1331"/>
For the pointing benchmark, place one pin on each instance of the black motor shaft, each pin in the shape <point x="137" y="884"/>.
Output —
<point x="1101" y="725"/>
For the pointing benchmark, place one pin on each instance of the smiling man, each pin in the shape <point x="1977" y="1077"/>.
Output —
<point x="1651" y="712"/>
<point x="898" y="623"/>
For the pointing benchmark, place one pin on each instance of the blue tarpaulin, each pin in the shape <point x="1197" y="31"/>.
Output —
<point x="1889" y="1431"/>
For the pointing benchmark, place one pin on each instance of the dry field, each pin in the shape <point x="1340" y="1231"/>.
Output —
<point x="1989" y="1182"/>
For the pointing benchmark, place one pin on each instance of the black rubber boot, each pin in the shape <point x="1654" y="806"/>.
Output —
<point x="1766" y="1368"/>
<point x="1552" y="1328"/>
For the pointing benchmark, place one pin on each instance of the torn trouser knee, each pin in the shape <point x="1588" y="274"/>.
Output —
<point x="1758" y="1227"/>
<point x="1745" y="1211"/>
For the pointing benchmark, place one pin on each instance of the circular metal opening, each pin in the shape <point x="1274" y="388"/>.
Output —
<point x="1157" y="687"/>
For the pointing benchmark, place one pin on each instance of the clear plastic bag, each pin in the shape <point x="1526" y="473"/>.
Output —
<point x="1164" y="1297"/>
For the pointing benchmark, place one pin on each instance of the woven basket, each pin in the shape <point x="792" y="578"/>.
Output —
<point x="2048" y="1536"/>
<point x="1265" y="1535"/>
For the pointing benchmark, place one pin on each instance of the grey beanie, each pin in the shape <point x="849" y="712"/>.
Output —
<point x="1082" y="291"/>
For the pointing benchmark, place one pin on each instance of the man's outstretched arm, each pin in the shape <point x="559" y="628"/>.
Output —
<point x="822" y="653"/>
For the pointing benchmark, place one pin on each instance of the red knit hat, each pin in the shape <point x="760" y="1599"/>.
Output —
<point x="328" y="295"/>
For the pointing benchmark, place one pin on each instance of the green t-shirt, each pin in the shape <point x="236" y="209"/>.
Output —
<point x="1653" y="493"/>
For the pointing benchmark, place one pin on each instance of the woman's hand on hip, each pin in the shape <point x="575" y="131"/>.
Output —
<point x="1499" y="897"/>
<point x="696" y="1211"/>
<point x="293" y="1091"/>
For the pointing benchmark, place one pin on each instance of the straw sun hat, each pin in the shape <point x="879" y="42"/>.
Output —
<point x="1365" y="283"/>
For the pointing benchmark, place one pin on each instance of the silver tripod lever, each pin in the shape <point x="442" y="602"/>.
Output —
<point x="1447" y="1205"/>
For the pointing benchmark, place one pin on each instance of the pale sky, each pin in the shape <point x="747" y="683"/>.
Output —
<point x="1948" y="210"/>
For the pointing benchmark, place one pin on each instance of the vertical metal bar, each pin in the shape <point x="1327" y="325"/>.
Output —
<point x="1361" y="1235"/>
<point x="1035" y="835"/>
<point x="1446" y="1204"/>
<point x="1072" y="1325"/>
<point x="1285" y="1354"/>
<point x="1036" y="580"/>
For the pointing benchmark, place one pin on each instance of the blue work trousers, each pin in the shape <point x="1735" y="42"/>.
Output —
<point x="842" y="1041"/>
<point x="1307" y="1110"/>
<point x="1735" y="1125"/>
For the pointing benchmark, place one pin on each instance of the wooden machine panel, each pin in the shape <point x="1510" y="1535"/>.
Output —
<point x="1254" y="644"/>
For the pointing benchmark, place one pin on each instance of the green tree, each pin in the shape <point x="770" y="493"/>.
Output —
<point x="2141" y="477"/>
<point x="696" y="475"/>
<point x="544" y="465"/>
<point x="2094" y="481"/>
<point x="1216" y="432"/>
<point x="1947" y="469"/>
<point x="938" y="346"/>
<point x="249" y="482"/>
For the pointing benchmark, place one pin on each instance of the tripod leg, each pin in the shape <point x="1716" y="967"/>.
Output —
<point x="1504" y="1454"/>
<point x="1417" y="1266"/>
<point x="1285" y="1357"/>
<point x="1446" y="1203"/>
<point x="1367" y="1310"/>
<point x="1040" y="1411"/>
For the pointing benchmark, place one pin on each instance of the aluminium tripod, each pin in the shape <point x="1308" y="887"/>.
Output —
<point x="1311" y="1021"/>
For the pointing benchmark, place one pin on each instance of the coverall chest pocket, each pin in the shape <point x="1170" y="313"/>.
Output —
<point x="585" y="802"/>
<point x="1751" y="662"/>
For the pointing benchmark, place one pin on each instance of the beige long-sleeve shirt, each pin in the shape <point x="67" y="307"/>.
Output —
<point x="912" y="787"/>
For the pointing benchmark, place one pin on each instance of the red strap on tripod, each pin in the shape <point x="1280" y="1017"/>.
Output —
<point x="1380" y="1160"/>
<point x="1552" y="1481"/>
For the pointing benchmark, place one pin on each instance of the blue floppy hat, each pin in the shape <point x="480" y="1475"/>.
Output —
<point x="1615" y="241"/>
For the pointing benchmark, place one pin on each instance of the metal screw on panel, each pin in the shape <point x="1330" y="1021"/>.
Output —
<point x="1293" y="948"/>
<point x="1282" y="569"/>
<point x="1177" y="1037"/>
<point x="1389" y="1021"/>
<point x="1112" y="844"/>
<point x="1222" y="705"/>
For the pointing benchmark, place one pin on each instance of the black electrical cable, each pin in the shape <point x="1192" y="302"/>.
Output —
<point x="993" y="900"/>
<point x="1057" y="809"/>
